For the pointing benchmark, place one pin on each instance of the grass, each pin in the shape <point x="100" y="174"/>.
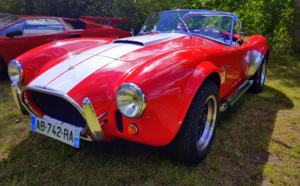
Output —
<point x="257" y="142"/>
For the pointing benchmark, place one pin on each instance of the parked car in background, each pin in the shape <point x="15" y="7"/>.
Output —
<point x="20" y="33"/>
<point x="165" y="86"/>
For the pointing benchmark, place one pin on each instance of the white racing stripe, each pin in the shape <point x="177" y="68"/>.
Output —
<point x="119" y="51"/>
<point x="62" y="79"/>
<point x="62" y="67"/>
<point x="71" y="78"/>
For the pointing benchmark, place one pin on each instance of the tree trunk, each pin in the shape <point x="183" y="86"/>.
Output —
<point x="296" y="28"/>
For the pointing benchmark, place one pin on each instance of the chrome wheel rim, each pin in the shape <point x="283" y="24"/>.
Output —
<point x="263" y="73"/>
<point x="207" y="122"/>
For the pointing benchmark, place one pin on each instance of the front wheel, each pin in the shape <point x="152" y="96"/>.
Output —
<point x="197" y="132"/>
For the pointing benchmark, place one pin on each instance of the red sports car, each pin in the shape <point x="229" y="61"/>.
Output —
<point x="165" y="86"/>
<point x="19" y="33"/>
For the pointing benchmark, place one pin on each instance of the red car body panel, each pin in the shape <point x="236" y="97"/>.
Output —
<point x="11" y="47"/>
<point x="169" y="73"/>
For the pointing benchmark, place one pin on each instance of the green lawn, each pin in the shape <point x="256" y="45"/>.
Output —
<point x="257" y="142"/>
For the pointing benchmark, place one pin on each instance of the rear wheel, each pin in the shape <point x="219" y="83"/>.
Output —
<point x="259" y="77"/>
<point x="195" y="137"/>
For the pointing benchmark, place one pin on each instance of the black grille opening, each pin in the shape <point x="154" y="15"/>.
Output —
<point x="58" y="108"/>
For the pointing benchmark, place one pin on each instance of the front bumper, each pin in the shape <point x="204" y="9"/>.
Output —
<point x="17" y="97"/>
<point x="93" y="127"/>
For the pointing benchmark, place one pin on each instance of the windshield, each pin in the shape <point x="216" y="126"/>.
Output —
<point x="212" y="25"/>
<point x="5" y="20"/>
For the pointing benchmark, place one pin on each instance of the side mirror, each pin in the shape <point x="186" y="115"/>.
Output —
<point x="14" y="33"/>
<point x="132" y="32"/>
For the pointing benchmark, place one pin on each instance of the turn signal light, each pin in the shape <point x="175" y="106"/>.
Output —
<point x="132" y="129"/>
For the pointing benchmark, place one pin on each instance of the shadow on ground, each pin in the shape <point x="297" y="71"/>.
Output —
<point x="238" y="155"/>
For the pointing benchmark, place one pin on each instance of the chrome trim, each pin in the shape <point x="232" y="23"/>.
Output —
<point x="103" y="122"/>
<point x="20" y="70"/>
<point x="58" y="94"/>
<point x="208" y="120"/>
<point x="239" y="25"/>
<point x="104" y="114"/>
<point x="256" y="61"/>
<point x="87" y="111"/>
<point x="232" y="99"/>
<point x="263" y="72"/>
<point x="17" y="97"/>
<point x="132" y="32"/>
<point x="224" y="106"/>
<point x="191" y="11"/>
<point x="186" y="27"/>
<point x="141" y="94"/>
<point x="92" y="120"/>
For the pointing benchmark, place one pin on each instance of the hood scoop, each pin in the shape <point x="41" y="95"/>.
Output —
<point x="148" y="40"/>
<point x="129" y="42"/>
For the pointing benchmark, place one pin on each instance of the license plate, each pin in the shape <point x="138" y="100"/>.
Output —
<point x="59" y="132"/>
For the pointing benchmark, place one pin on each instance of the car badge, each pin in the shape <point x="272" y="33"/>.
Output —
<point x="71" y="67"/>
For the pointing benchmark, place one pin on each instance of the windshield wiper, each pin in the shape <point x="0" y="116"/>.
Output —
<point x="186" y="27"/>
<point x="150" y="32"/>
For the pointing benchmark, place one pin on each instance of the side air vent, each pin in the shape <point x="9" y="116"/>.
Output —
<point x="119" y="121"/>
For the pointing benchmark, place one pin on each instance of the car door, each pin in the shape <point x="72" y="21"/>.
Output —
<point x="35" y="32"/>
<point x="230" y="64"/>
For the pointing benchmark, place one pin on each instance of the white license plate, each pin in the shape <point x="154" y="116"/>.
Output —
<point x="59" y="132"/>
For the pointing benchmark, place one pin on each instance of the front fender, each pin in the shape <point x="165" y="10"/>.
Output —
<point x="169" y="83"/>
<point x="201" y="73"/>
<point x="257" y="50"/>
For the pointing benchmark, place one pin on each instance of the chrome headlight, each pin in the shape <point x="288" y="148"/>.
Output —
<point x="15" y="71"/>
<point x="131" y="101"/>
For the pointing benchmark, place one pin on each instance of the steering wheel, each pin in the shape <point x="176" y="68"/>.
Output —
<point x="238" y="41"/>
<point x="208" y="31"/>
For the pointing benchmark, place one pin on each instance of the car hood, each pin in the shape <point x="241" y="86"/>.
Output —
<point x="101" y="69"/>
<point x="138" y="47"/>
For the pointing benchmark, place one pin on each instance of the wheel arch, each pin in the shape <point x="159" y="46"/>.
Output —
<point x="215" y="78"/>
<point x="204" y="72"/>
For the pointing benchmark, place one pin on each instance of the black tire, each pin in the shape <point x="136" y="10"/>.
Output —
<point x="259" y="78"/>
<point x="3" y="69"/>
<point x="197" y="132"/>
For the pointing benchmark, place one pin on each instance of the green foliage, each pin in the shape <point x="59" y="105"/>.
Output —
<point x="271" y="18"/>
<point x="70" y="8"/>
<point x="136" y="10"/>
